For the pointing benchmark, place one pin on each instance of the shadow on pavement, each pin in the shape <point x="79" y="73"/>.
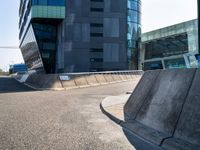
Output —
<point x="138" y="142"/>
<point x="10" y="85"/>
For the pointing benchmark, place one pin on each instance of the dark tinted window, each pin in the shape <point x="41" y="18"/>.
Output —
<point x="96" y="34"/>
<point x="49" y="2"/>
<point x="96" y="9"/>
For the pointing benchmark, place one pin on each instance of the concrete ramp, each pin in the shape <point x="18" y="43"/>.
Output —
<point x="164" y="109"/>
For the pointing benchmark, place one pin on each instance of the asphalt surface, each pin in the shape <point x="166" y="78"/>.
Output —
<point x="10" y="85"/>
<point x="58" y="120"/>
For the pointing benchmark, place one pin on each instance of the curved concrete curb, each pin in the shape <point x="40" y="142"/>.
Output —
<point x="114" y="103"/>
<point x="109" y="115"/>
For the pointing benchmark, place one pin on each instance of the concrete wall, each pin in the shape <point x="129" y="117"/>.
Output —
<point x="164" y="108"/>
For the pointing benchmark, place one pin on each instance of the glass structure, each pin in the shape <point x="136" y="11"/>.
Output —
<point x="133" y="32"/>
<point x="171" y="47"/>
<point x="38" y="32"/>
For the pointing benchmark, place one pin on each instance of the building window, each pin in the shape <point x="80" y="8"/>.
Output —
<point x="96" y="59"/>
<point x="97" y="0"/>
<point x="96" y="34"/>
<point x="96" y="25"/>
<point x="96" y="49"/>
<point x="96" y="9"/>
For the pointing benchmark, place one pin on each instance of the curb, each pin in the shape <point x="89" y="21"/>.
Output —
<point x="113" y="118"/>
<point x="137" y="141"/>
<point x="44" y="89"/>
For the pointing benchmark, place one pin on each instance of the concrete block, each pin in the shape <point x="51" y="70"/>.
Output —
<point x="128" y="76"/>
<point x="91" y="79"/>
<point x="109" y="78"/>
<point x="101" y="79"/>
<point x="159" y="102"/>
<point x="69" y="84"/>
<point x="137" y="99"/>
<point x="116" y="77"/>
<point x="81" y="81"/>
<point x="123" y="76"/>
<point x="164" y="102"/>
<point x="133" y="76"/>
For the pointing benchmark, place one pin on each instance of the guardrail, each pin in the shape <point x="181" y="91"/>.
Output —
<point x="77" y="80"/>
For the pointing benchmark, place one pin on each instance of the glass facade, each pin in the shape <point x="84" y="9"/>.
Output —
<point x="165" y="47"/>
<point x="175" y="46"/>
<point x="133" y="32"/>
<point x="46" y="37"/>
<point x="175" y="63"/>
<point x="38" y="25"/>
<point x="30" y="51"/>
<point x="153" y="65"/>
<point x="52" y="12"/>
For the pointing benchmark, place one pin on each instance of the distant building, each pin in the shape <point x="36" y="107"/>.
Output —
<point x="170" y="47"/>
<point x="18" y="68"/>
<point x="80" y="35"/>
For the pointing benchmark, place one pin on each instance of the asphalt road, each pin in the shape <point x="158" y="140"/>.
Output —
<point x="58" y="120"/>
<point x="8" y="84"/>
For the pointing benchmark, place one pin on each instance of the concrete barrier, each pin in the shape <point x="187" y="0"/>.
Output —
<point x="128" y="76"/>
<point x="81" y="81"/>
<point x="72" y="80"/>
<point x="109" y="78"/>
<point x="122" y="76"/>
<point x="101" y="79"/>
<point x="164" y="109"/>
<point x="69" y="84"/>
<point x="137" y="99"/>
<point x="91" y="80"/>
<point x="187" y="133"/>
<point x="116" y="77"/>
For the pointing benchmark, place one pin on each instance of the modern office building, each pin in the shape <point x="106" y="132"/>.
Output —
<point x="80" y="35"/>
<point x="170" y="47"/>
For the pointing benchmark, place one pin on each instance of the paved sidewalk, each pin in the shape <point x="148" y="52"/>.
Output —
<point x="113" y="107"/>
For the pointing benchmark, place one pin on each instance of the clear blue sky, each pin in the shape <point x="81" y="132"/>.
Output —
<point x="9" y="33"/>
<point x="155" y="14"/>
